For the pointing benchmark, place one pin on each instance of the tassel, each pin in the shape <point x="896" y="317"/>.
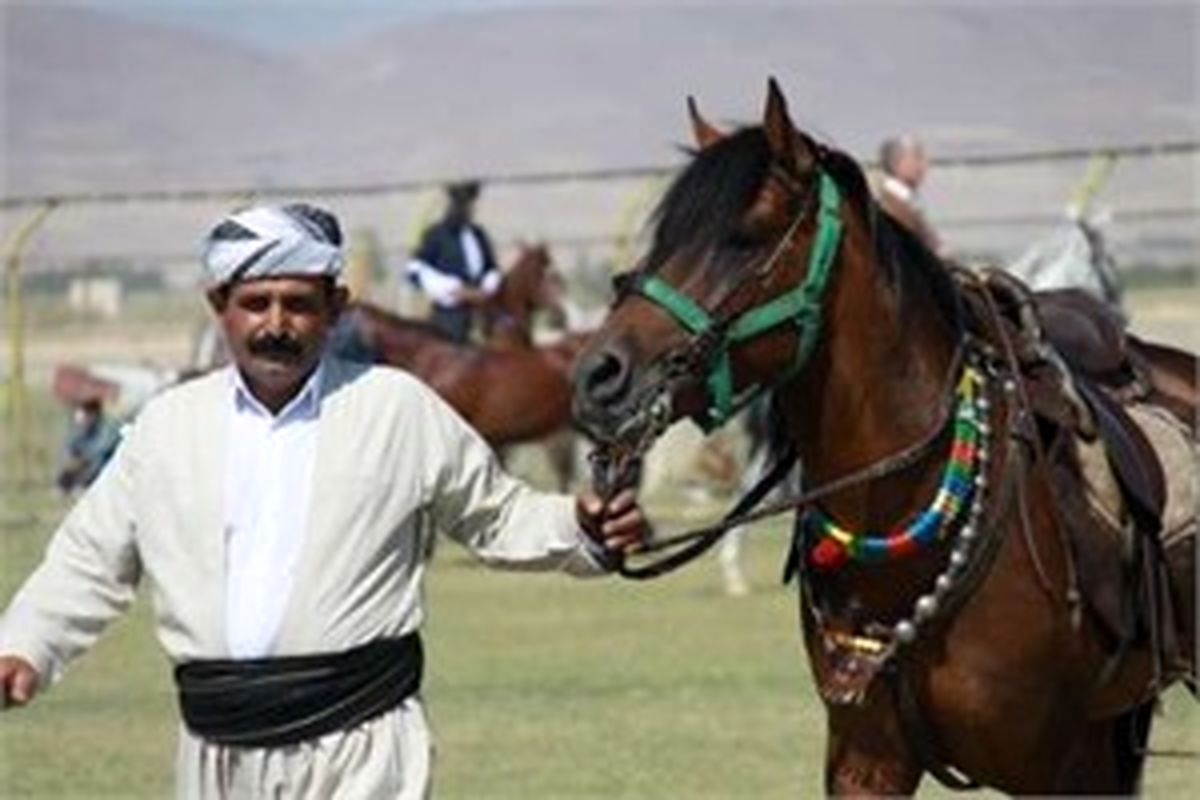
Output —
<point x="829" y="554"/>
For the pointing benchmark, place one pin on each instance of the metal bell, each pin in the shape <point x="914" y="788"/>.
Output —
<point x="958" y="559"/>
<point x="905" y="632"/>
<point x="926" y="607"/>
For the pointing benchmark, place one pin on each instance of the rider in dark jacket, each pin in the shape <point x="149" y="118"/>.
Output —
<point x="455" y="264"/>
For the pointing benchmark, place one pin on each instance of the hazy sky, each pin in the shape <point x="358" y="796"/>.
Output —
<point x="294" y="23"/>
<point x="288" y="23"/>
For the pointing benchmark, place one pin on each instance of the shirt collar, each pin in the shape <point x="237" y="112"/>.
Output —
<point x="303" y="406"/>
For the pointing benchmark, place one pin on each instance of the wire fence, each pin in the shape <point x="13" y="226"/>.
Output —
<point x="607" y="174"/>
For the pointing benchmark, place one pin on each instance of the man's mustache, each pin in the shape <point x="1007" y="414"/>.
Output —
<point x="276" y="345"/>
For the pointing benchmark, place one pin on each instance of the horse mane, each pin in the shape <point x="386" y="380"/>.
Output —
<point x="704" y="203"/>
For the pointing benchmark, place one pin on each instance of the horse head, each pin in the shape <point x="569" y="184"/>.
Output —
<point x="530" y="285"/>
<point x="728" y="299"/>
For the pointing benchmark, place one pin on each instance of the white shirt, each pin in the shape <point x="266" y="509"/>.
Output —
<point x="900" y="189"/>
<point x="443" y="288"/>
<point x="268" y="484"/>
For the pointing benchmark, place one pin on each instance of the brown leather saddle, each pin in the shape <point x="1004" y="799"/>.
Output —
<point x="1080" y="368"/>
<point x="1077" y="362"/>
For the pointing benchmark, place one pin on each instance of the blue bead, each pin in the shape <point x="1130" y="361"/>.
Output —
<point x="958" y="487"/>
<point x="925" y="526"/>
<point x="872" y="548"/>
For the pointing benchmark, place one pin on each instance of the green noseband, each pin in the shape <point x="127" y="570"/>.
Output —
<point x="800" y="306"/>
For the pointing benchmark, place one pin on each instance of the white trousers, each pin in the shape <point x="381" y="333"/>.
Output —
<point x="389" y="756"/>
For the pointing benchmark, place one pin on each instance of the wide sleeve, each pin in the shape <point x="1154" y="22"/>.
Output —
<point x="87" y="577"/>
<point x="426" y="270"/>
<point x="501" y="520"/>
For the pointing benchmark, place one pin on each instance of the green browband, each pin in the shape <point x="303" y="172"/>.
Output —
<point x="800" y="306"/>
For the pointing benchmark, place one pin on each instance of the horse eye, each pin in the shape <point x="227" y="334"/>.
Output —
<point x="741" y="240"/>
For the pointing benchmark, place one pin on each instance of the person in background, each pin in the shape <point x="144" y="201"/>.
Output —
<point x="91" y="440"/>
<point x="902" y="159"/>
<point x="455" y="264"/>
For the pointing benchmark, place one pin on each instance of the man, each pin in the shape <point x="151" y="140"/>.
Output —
<point x="904" y="166"/>
<point x="455" y="265"/>
<point x="279" y="509"/>
<point x="91" y="441"/>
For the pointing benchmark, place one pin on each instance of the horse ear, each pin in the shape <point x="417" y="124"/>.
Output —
<point x="786" y="143"/>
<point x="704" y="133"/>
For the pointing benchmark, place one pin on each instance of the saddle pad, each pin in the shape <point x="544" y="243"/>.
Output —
<point x="1180" y="459"/>
<point x="1103" y="493"/>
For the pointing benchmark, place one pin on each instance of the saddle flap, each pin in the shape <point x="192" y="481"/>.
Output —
<point x="1133" y="460"/>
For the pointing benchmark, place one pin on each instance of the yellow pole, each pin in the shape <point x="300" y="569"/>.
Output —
<point x="1100" y="168"/>
<point x="17" y="406"/>
<point x="361" y="263"/>
<point x="627" y="222"/>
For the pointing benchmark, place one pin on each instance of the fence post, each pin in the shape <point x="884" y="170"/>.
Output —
<point x="16" y="417"/>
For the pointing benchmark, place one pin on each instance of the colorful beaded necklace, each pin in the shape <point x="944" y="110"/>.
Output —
<point x="835" y="545"/>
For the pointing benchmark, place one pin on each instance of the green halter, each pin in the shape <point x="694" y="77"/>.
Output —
<point x="800" y="306"/>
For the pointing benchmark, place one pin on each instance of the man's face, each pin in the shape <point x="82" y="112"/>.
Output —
<point x="911" y="166"/>
<point x="462" y="210"/>
<point x="276" y="328"/>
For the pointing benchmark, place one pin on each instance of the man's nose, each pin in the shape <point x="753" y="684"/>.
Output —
<point x="276" y="318"/>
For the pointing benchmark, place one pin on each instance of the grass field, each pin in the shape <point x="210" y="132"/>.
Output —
<point x="537" y="686"/>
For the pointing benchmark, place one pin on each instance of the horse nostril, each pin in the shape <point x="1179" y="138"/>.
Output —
<point x="606" y="377"/>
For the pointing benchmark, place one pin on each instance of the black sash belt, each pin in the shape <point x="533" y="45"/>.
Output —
<point x="271" y="702"/>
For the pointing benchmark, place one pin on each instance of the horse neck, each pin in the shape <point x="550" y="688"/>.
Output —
<point x="400" y="340"/>
<point x="510" y="311"/>
<point x="875" y="386"/>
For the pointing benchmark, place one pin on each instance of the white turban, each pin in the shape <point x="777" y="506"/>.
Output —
<point x="266" y="241"/>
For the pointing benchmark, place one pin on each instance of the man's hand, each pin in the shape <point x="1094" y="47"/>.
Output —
<point x="18" y="681"/>
<point x="620" y="527"/>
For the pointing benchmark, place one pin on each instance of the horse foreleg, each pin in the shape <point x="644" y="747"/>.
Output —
<point x="866" y="754"/>
<point x="1107" y="757"/>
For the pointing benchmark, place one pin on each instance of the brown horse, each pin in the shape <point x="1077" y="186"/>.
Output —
<point x="529" y="285"/>
<point x="509" y="394"/>
<point x="946" y="622"/>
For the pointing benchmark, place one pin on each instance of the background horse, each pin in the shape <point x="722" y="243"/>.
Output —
<point x="511" y="395"/>
<point x="530" y="285"/>
<point x="948" y="602"/>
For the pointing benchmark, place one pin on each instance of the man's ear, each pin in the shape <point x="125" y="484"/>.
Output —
<point x="218" y="298"/>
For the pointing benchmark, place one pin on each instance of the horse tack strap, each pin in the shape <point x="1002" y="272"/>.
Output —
<point x="684" y="309"/>
<point x="920" y="735"/>
<point x="698" y="545"/>
<point x="800" y="305"/>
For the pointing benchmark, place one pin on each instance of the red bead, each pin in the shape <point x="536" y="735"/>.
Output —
<point x="903" y="545"/>
<point x="829" y="554"/>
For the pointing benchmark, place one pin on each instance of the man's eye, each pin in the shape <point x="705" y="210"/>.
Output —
<point x="300" y="305"/>
<point x="255" y="304"/>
